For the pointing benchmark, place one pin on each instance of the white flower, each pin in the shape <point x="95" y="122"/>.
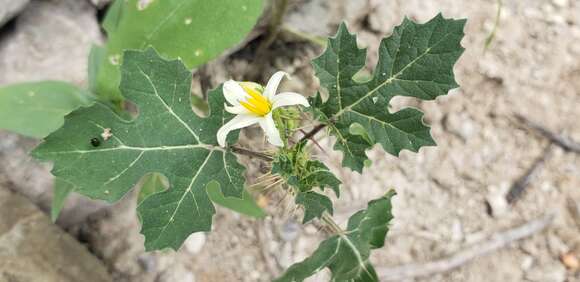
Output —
<point x="251" y="103"/>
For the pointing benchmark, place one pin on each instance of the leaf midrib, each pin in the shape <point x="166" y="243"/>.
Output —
<point x="132" y="148"/>
<point x="188" y="190"/>
<point x="351" y="245"/>
<point x="161" y="24"/>
<point x="388" y="81"/>
<point x="167" y="107"/>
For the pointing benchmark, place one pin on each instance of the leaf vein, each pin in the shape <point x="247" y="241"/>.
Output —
<point x="124" y="170"/>
<point x="169" y="109"/>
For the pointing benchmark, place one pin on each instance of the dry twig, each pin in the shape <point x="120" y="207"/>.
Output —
<point x="242" y="151"/>
<point x="519" y="187"/>
<point x="311" y="133"/>
<point x="495" y="242"/>
<point x="565" y="143"/>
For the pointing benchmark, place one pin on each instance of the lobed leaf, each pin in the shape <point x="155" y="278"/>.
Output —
<point x="166" y="138"/>
<point x="347" y="254"/>
<point x="416" y="61"/>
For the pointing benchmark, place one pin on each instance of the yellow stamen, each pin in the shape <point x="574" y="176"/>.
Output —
<point x="257" y="104"/>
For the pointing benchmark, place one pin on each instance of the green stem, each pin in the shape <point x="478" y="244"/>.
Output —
<point x="281" y="126"/>
<point x="279" y="8"/>
<point x="314" y="39"/>
<point x="491" y="36"/>
<point x="329" y="221"/>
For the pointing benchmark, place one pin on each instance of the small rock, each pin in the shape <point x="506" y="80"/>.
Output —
<point x="456" y="231"/>
<point x="194" y="242"/>
<point x="32" y="248"/>
<point x="496" y="200"/>
<point x="289" y="230"/>
<point x="147" y="262"/>
<point x="51" y="40"/>
<point x="527" y="263"/>
<point x="301" y="21"/>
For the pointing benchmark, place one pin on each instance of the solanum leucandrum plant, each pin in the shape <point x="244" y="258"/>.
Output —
<point x="104" y="155"/>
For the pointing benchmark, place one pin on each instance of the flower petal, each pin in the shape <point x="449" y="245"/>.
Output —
<point x="237" y="122"/>
<point x="233" y="92"/>
<point x="236" y="110"/>
<point x="289" y="99"/>
<point x="272" y="133"/>
<point x="273" y="84"/>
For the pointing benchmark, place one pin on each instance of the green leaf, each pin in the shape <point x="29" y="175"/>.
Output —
<point x="61" y="191"/>
<point x="347" y="254"/>
<point x="113" y="16"/>
<point x="416" y="60"/>
<point x="151" y="184"/>
<point x="314" y="205"/>
<point x="318" y="175"/>
<point x="195" y="31"/>
<point x="96" y="59"/>
<point x="36" y="109"/>
<point x="166" y="137"/>
<point x="246" y="205"/>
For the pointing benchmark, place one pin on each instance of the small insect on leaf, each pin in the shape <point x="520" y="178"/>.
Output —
<point x="95" y="142"/>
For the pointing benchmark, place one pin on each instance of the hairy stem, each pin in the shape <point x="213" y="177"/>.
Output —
<point x="330" y="223"/>
<point x="246" y="152"/>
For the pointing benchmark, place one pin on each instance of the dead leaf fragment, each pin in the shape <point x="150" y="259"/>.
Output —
<point x="106" y="134"/>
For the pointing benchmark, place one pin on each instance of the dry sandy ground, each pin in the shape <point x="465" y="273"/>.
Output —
<point x="445" y="193"/>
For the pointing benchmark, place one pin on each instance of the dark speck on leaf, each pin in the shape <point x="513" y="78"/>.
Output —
<point x="95" y="142"/>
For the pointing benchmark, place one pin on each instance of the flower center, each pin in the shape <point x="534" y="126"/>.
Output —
<point x="256" y="103"/>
